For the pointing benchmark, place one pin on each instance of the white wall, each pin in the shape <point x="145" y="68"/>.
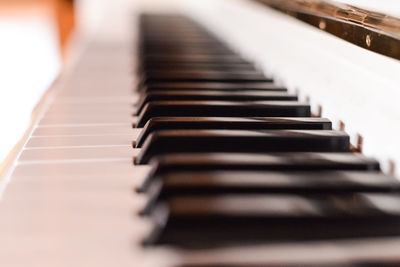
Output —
<point x="29" y="62"/>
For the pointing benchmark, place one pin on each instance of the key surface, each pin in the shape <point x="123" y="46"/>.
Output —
<point x="217" y="183"/>
<point x="180" y="123"/>
<point x="206" y="42"/>
<point x="166" y="95"/>
<point x="222" y="109"/>
<point x="298" y="161"/>
<point x="230" y="87"/>
<point x="203" y="76"/>
<point x="177" y="50"/>
<point x="189" y="73"/>
<point x="173" y="141"/>
<point x="196" y="66"/>
<point x="232" y="59"/>
<point x="205" y="221"/>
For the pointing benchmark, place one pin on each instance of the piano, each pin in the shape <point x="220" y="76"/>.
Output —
<point x="214" y="134"/>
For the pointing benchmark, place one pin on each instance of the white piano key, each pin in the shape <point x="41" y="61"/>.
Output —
<point x="103" y="91"/>
<point x="95" y="100"/>
<point x="113" y="129"/>
<point x="48" y="155"/>
<point x="117" y="167"/>
<point x="39" y="142"/>
<point x="59" y="119"/>
<point x="106" y="172"/>
<point x="84" y="108"/>
<point x="58" y="227"/>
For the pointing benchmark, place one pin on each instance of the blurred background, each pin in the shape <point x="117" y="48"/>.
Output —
<point x="34" y="36"/>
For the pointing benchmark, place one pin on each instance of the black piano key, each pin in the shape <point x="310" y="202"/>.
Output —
<point x="161" y="34"/>
<point x="231" y="123"/>
<point x="171" y="59"/>
<point x="207" y="221"/>
<point x="189" y="73"/>
<point x="222" y="109"/>
<point x="168" y="95"/>
<point x="179" y="34"/>
<point x="192" y="183"/>
<point x="210" y="183"/>
<point x="203" y="76"/>
<point x="262" y="261"/>
<point x="264" y="161"/>
<point x="204" y="42"/>
<point x="287" y="161"/>
<point x="177" y="50"/>
<point x="198" y="66"/>
<point x="185" y="50"/>
<point x="229" y="87"/>
<point x="179" y="141"/>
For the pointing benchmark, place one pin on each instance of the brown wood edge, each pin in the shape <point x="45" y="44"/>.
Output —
<point x="376" y="32"/>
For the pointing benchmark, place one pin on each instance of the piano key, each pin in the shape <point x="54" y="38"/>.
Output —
<point x="203" y="76"/>
<point x="69" y="141"/>
<point x="258" y="161"/>
<point x="188" y="73"/>
<point x="47" y="155"/>
<point x="206" y="221"/>
<point x="231" y="123"/>
<point x="197" y="66"/>
<point x="74" y="119"/>
<point x="85" y="130"/>
<point x="206" y="42"/>
<point x="222" y="109"/>
<point x="276" y="255"/>
<point x="189" y="36"/>
<point x="178" y="36"/>
<point x="232" y="59"/>
<point x="231" y="87"/>
<point x="192" y="183"/>
<point x="210" y="183"/>
<point x="175" y="32"/>
<point x="165" y="95"/>
<point x="154" y="49"/>
<point x="174" y="141"/>
<point x="346" y="253"/>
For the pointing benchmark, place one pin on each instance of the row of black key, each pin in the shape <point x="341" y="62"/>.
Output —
<point x="238" y="160"/>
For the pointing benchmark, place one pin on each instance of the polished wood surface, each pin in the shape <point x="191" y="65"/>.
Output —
<point x="374" y="31"/>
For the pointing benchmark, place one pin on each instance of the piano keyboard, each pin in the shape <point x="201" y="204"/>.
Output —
<point x="207" y="162"/>
<point x="236" y="166"/>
